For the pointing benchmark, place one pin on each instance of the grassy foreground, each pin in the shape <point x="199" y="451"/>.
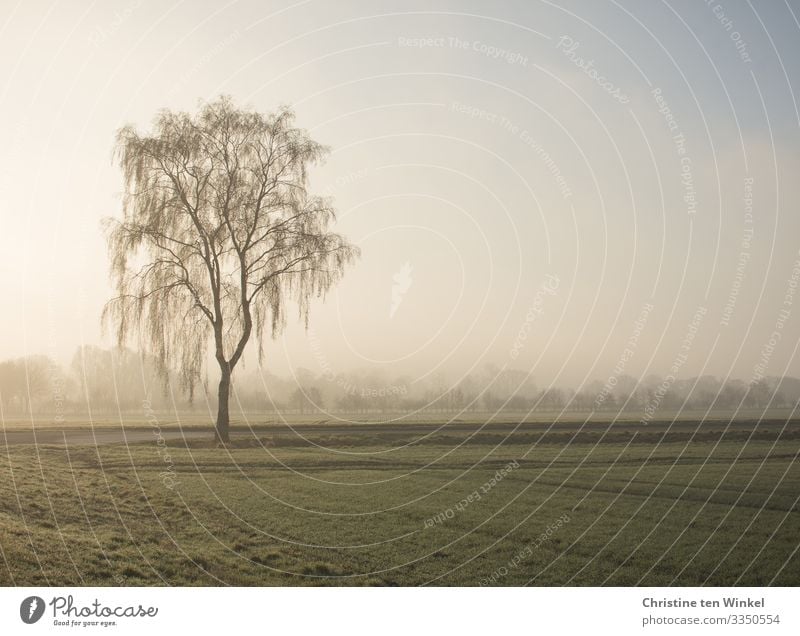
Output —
<point x="625" y="508"/>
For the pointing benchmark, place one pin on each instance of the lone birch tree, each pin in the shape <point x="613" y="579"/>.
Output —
<point x="218" y="233"/>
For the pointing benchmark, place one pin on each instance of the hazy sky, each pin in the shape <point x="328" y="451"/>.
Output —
<point x="515" y="203"/>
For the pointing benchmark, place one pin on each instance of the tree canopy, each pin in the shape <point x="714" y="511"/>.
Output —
<point x="218" y="233"/>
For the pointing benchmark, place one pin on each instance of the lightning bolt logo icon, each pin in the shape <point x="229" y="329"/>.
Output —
<point x="402" y="281"/>
<point x="31" y="609"/>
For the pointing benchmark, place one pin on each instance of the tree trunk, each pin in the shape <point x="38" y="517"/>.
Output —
<point x="223" y="419"/>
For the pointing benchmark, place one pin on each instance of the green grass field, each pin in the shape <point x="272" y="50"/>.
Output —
<point x="200" y="419"/>
<point x="627" y="508"/>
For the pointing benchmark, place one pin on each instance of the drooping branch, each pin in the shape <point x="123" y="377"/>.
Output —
<point x="218" y="231"/>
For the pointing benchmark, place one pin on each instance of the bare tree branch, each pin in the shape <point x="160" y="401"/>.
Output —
<point x="219" y="232"/>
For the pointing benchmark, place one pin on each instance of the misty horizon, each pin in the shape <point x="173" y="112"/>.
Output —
<point x="131" y="382"/>
<point x="658" y="220"/>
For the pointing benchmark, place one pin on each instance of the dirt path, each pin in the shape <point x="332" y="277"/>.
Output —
<point x="78" y="437"/>
<point x="141" y="434"/>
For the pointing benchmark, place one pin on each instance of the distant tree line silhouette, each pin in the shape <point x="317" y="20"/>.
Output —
<point x="106" y="381"/>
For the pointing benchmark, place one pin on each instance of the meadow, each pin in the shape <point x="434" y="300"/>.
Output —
<point x="683" y="503"/>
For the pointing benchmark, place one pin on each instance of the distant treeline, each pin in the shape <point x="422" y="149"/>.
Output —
<point x="106" y="381"/>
